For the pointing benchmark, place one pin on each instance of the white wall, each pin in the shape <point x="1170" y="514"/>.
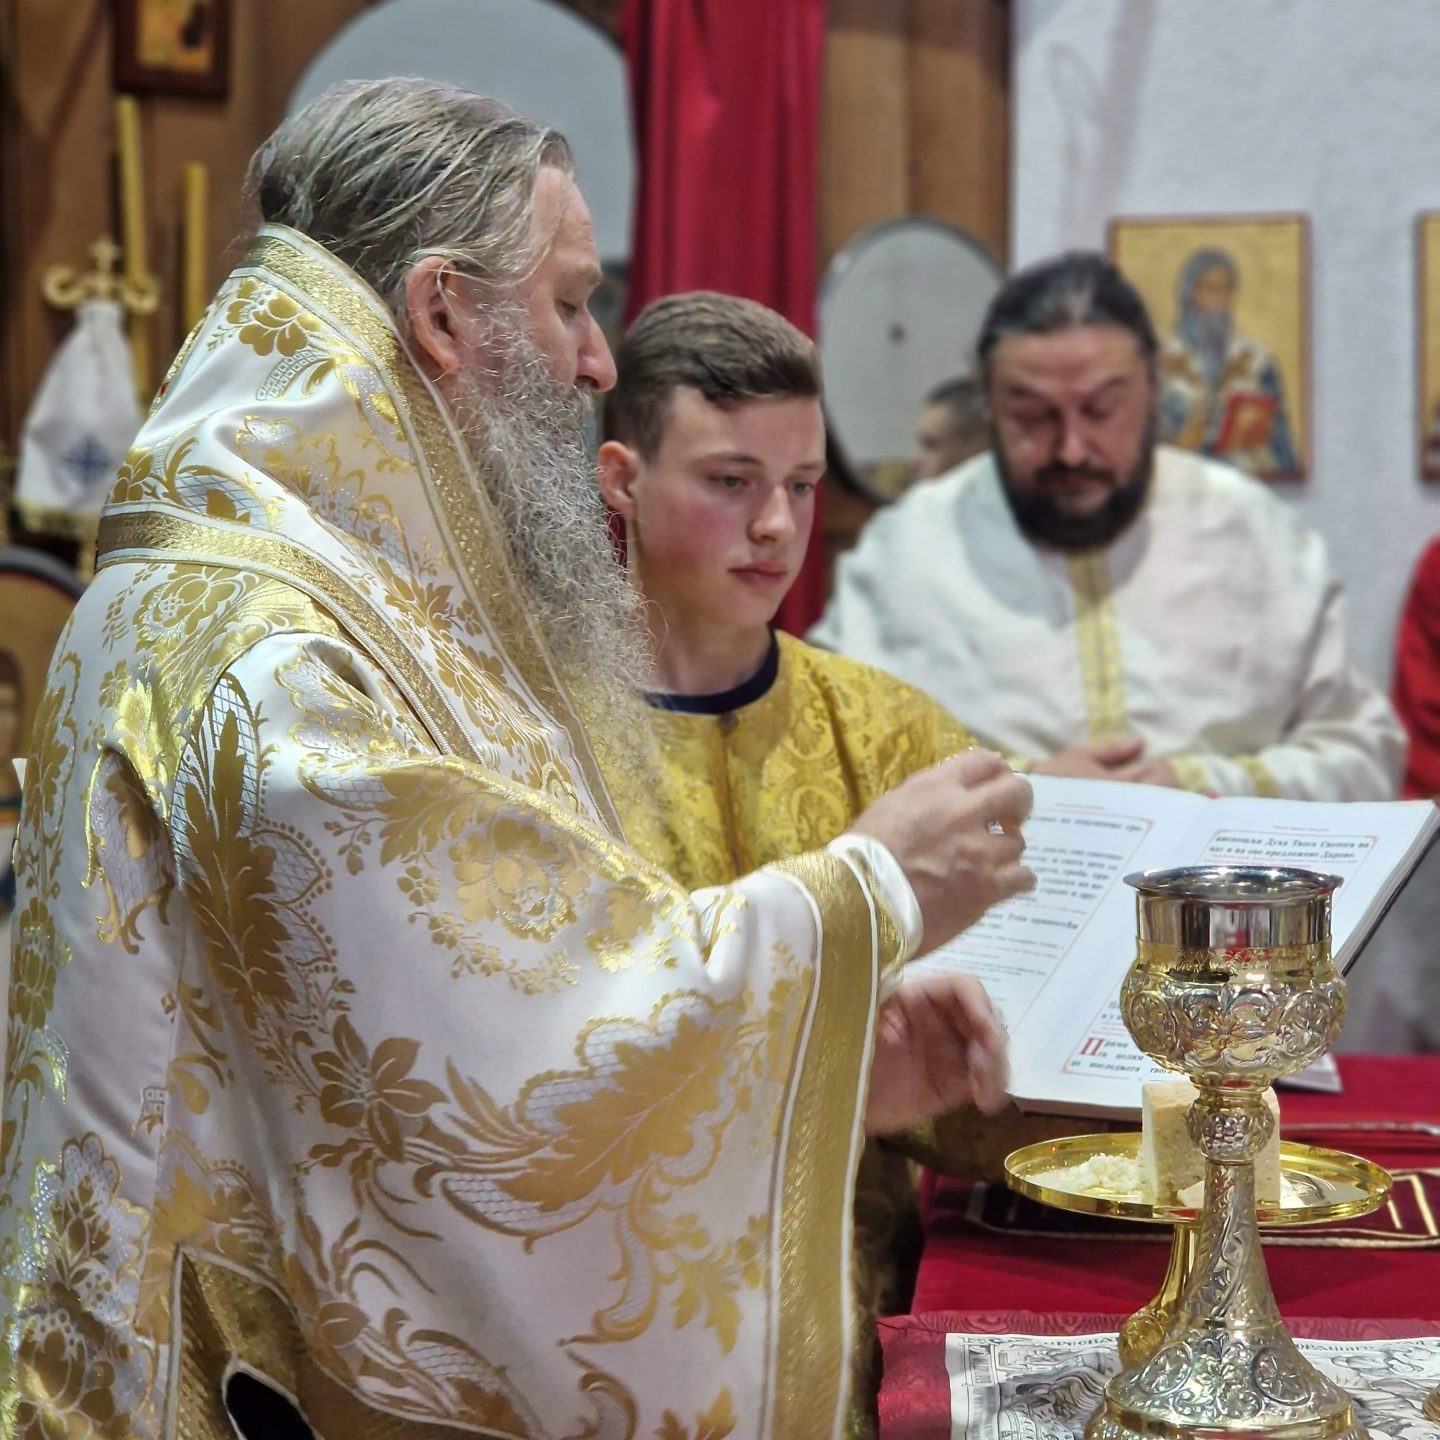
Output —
<point x="1326" y="107"/>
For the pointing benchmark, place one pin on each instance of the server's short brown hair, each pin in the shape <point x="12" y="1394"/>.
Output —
<point x="730" y="350"/>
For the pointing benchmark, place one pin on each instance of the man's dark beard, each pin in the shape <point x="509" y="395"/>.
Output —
<point x="1042" y="520"/>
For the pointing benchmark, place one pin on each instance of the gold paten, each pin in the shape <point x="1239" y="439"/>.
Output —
<point x="1330" y="1184"/>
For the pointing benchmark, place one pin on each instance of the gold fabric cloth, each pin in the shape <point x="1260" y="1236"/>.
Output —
<point x="348" y="1045"/>
<point x="789" y="771"/>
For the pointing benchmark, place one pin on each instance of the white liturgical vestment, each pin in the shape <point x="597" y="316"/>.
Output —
<point x="1213" y="627"/>
<point x="349" y="1047"/>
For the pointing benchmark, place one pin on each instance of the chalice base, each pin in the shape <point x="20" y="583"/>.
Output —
<point x="1141" y="1334"/>
<point x="1105" y="1426"/>
<point x="1221" y="1385"/>
<point x="1431" y="1408"/>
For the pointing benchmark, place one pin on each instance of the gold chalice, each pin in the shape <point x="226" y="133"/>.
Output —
<point x="1233" y="986"/>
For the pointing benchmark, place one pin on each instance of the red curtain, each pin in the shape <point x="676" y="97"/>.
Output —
<point x="726" y="103"/>
<point x="1417" y="678"/>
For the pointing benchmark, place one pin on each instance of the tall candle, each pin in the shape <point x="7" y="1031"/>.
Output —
<point x="132" y="227"/>
<point x="196" y="286"/>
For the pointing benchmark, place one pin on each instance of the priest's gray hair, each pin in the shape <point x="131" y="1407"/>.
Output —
<point x="384" y="173"/>
<point x="1078" y="288"/>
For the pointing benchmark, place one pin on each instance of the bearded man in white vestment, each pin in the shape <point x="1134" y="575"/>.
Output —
<point x="359" y="1077"/>
<point x="1096" y="604"/>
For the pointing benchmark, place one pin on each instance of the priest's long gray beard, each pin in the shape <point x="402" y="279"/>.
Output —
<point x="526" y="435"/>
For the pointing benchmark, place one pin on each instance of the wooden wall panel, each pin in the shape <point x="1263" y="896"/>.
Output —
<point x="59" y="131"/>
<point x="916" y="117"/>
<point x="62" y="147"/>
<point x="959" y="116"/>
<point x="865" y="137"/>
<point x="916" y="122"/>
<point x="58" y="145"/>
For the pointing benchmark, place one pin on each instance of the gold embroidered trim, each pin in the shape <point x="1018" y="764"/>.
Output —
<point x="139" y="535"/>
<point x="890" y="946"/>
<point x="1261" y="776"/>
<point x="451" y="491"/>
<point x="812" y="1347"/>
<point x="150" y="535"/>
<point x="1190" y="771"/>
<point x="226" y="1321"/>
<point x="1097" y="635"/>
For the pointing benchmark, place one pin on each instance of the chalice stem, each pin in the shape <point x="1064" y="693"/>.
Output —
<point x="1228" y="1286"/>
<point x="1225" y="1364"/>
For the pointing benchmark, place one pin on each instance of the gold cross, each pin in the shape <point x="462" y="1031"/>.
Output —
<point x="65" y="288"/>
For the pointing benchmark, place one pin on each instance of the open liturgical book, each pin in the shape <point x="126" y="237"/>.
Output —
<point x="1053" y="960"/>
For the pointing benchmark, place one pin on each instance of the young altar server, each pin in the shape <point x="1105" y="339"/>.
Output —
<point x="767" y="746"/>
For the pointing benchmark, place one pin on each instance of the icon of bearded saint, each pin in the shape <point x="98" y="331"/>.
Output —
<point x="1222" y="393"/>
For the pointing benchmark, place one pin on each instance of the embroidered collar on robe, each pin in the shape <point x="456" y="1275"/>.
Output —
<point x="782" y="763"/>
<point x="1214" y="627"/>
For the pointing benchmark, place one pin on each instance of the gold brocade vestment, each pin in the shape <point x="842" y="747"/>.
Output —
<point x="348" y="1044"/>
<point x="784" y="765"/>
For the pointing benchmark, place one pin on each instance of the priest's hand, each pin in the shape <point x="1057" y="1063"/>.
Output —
<point x="1094" y="760"/>
<point x="938" y="1045"/>
<point x="955" y="831"/>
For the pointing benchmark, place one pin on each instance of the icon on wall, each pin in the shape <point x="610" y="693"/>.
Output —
<point x="175" y="47"/>
<point x="1427" y="367"/>
<point x="1230" y="300"/>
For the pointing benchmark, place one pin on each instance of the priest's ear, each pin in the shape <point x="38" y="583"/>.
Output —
<point x="432" y="298"/>
<point x="620" y="468"/>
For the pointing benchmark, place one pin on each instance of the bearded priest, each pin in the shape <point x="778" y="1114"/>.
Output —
<point x="360" y="1078"/>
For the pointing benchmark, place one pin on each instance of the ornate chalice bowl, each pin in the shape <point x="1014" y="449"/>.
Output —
<point x="1232" y="986"/>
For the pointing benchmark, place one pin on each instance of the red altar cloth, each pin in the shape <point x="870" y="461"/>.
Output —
<point x="980" y="1273"/>
<point x="1111" y="1268"/>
